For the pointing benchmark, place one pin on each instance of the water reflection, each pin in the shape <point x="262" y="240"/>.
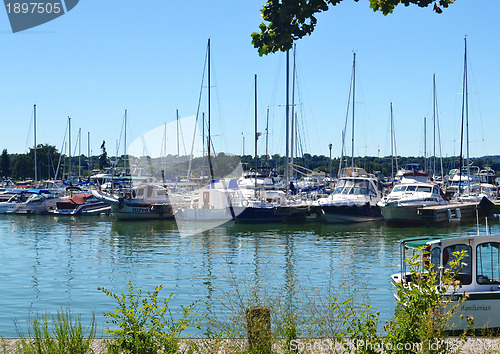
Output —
<point x="50" y="263"/>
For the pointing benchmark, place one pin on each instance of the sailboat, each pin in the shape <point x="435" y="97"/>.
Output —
<point x="145" y="201"/>
<point x="468" y="188"/>
<point x="213" y="203"/>
<point x="357" y="193"/>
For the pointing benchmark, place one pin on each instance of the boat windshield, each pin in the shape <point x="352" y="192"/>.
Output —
<point x="424" y="189"/>
<point x="488" y="265"/>
<point x="355" y="186"/>
<point x="399" y="188"/>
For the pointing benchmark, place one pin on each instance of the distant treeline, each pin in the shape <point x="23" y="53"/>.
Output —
<point x="50" y="162"/>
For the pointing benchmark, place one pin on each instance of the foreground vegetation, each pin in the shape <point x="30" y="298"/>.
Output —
<point x="301" y="322"/>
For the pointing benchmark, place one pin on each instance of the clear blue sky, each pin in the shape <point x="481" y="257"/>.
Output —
<point x="147" y="57"/>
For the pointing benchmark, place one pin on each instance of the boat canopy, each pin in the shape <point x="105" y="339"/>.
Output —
<point x="38" y="191"/>
<point x="417" y="242"/>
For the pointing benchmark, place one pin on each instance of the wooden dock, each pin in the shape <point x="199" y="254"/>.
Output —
<point x="458" y="211"/>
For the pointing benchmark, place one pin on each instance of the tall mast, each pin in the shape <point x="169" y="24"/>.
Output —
<point x="466" y="93"/>
<point x="287" y="120"/>
<point x="125" y="144"/>
<point x="177" y="118"/>
<point x="69" y="150"/>
<point x="425" y="144"/>
<point x="464" y="118"/>
<point x="210" y="172"/>
<point x="353" y="101"/>
<point x="203" y="133"/>
<point x="292" y="128"/>
<point x="88" y="153"/>
<point x="79" y="152"/>
<point x="256" y="136"/>
<point x="392" y="145"/>
<point x="34" y="138"/>
<point x="434" y="123"/>
<point x="267" y="140"/>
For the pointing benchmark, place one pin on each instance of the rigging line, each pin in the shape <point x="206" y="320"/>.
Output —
<point x="395" y="145"/>
<point x="219" y="107"/>
<point x="60" y="155"/>
<point x="302" y="95"/>
<point x="119" y="140"/>
<point x="182" y="137"/>
<point x="26" y="146"/>
<point x="345" y="126"/>
<point x="198" y="111"/>
<point x="439" y="138"/>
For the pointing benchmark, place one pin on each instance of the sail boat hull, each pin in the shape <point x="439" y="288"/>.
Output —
<point x="350" y="213"/>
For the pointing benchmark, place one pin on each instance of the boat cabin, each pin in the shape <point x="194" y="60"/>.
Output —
<point x="479" y="274"/>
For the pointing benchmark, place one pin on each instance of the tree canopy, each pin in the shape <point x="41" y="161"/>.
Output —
<point x="289" y="20"/>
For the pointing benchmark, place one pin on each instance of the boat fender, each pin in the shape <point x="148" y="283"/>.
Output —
<point x="245" y="202"/>
<point x="120" y="202"/>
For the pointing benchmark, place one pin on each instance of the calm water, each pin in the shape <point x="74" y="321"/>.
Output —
<point x="52" y="263"/>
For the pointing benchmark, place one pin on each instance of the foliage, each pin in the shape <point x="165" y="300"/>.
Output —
<point x="22" y="166"/>
<point x="59" y="334"/>
<point x="103" y="158"/>
<point x="290" y="20"/>
<point x="5" y="164"/>
<point x="425" y="305"/>
<point x="359" y="326"/>
<point x="145" y="324"/>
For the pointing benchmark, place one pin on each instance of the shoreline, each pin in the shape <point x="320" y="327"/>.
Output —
<point x="199" y="345"/>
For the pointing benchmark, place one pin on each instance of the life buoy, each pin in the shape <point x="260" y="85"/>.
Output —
<point x="245" y="202"/>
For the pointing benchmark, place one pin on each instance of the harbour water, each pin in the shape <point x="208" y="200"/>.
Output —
<point x="52" y="263"/>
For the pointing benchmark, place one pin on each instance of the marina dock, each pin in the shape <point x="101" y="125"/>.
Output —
<point x="457" y="211"/>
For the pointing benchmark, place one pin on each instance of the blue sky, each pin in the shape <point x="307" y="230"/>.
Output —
<point x="147" y="57"/>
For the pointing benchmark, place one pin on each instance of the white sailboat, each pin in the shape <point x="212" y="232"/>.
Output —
<point x="357" y="193"/>
<point x="212" y="203"/>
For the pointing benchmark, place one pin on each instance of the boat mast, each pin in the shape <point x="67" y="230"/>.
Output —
<point x="292" y="128"/>
<point x="466" y="92"/>
<point x="287" y="120"/>
<point x="425" y="144"/>
<point x="34" y="138"/>
<point x="353" y="101"/>
<point x="256" y="137"/>
<point x="392" y="145"/>
<point x="177" y="118"/>
<point x="267" y="141"/>
<point x="88" y="153"/>
<point x="210" y="172"/>
<point x="125" y="145"/>
<point x="69" y="150"/>
<point x="79" y="152"/>
<point x="464" y="120"/>
<point x="434" y="123"/>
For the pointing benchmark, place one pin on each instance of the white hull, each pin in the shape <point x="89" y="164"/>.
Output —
<point x="193" y="214"/>
<point x="483" y="311"/>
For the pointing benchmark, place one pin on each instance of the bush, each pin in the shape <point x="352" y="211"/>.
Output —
<point x="427" y="303"/>
<point x="146" y="325"/>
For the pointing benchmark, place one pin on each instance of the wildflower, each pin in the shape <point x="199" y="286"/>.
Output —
<point x="470" y="319"/>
